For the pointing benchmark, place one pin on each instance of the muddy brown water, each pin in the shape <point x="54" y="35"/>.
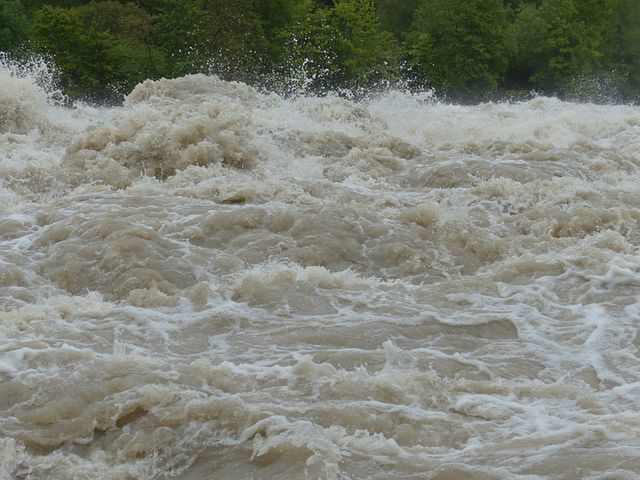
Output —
<point x="214" y="283"/>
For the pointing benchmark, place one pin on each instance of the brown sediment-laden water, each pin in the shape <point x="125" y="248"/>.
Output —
<point x="209" y="282"/>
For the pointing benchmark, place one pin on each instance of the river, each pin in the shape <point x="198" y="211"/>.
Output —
<point x="209" y="282"/>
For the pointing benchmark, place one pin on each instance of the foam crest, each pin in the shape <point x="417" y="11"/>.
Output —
<point x="22" y="102"/>
<point x="167" y="126"/>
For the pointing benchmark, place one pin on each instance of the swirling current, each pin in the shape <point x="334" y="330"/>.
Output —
<point x="210" y="282"/>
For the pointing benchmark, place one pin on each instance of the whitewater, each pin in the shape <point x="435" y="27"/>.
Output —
<point x="212" y="282"/>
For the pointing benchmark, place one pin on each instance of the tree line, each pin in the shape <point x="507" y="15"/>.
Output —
<point x="464" y="49"/>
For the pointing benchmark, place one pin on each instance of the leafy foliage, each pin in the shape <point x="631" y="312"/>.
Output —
<point x="396" y="15"/>
<point x="459" y="46"/>
<point x="555" y="44"/>
<point x="341" y="46"/>
<point x="13" y="25"/>
<point x="621" y="44"/>
<point x="101" y="48"/>
<point x="465" y="48"/>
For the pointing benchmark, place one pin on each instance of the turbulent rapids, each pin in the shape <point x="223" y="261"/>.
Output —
<point x="212" y="282"/>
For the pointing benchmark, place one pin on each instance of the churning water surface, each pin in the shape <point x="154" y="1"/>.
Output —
<point x="214" y="283"/>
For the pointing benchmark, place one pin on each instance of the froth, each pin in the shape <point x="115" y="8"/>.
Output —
<point x="167" y="126"/>
<point x="21" y="104"/>
<point x="217" y="281"/>
<point x="27" y="95"/>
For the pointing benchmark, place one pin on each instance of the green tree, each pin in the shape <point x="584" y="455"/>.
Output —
<point x="33" y="5"/>
<point x="342" y="47"/>
<point x="462" y="47"/>
<point x="459" y="46"/>
<point x="396" y="15"/>
<point x="528" y="31"/>
<point x="181" y="26"/>
<point x="277" y="15"/>
<point x="226" y="37"/>
<point x="80" y="57"/>
<point x="554" y="45"/>
<point x="277" y="18"/>
<point x="129" y="34"/>
<point x="13" y="25"/>
<point x="237" y="41"/>
<point x="621" y="45"/>
<point x="101" y="49"/>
